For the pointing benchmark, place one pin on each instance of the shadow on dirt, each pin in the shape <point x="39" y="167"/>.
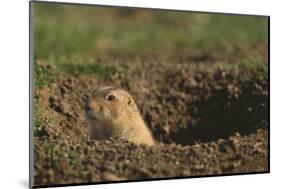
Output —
<point x="222" y="115"/>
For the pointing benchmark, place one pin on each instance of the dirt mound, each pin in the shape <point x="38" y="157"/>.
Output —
<point x="85" y="161"/>
<point x="208" y="119"/>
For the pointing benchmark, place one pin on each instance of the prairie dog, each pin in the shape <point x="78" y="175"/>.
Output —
<point x="112" y="112"/>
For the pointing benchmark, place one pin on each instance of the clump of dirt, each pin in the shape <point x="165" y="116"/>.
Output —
<point x="208" y="120"/>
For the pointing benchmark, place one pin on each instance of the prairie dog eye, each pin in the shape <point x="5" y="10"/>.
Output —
<point x="110" y="97"/>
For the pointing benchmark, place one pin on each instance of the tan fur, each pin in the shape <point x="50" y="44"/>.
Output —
<point x="118" y="118"/>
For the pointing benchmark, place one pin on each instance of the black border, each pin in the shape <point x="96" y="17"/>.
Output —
<point x="31" y="41"/>
<point x="268" y="62"/>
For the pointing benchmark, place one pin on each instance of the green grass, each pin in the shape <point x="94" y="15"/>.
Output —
<point x="73" y="38"/>
<point x="51" y="71"/>
<point x="138" y="155"/>
<point x="259" y="68"/>
<point x="96" y="31"/>
<point x="89" y="69"/>
<point x="44" y="76"/>
<point x="41" y="121"/>
<point x="247" y="66"/>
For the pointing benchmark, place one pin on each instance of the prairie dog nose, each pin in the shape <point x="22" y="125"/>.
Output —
<point x="87" y="108"/>
<point x="93" y="105"/>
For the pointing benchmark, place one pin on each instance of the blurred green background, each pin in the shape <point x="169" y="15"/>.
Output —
<point x="75" y="34"/>
<point x="61" y="30"/>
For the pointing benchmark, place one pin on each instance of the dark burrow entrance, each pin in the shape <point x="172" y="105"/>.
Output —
<point x="220" y="115"/>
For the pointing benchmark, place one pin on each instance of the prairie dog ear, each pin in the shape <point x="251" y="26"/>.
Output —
<point x="131" y="102"/>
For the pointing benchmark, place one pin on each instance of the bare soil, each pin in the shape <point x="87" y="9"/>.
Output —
<point x="208" y="120"/>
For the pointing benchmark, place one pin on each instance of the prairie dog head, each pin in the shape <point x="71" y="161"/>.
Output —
<point x="111" y="106"/>
<point x="112" y="112"/>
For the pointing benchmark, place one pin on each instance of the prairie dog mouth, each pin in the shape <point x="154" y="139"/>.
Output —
<point x="91" y="116"/>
